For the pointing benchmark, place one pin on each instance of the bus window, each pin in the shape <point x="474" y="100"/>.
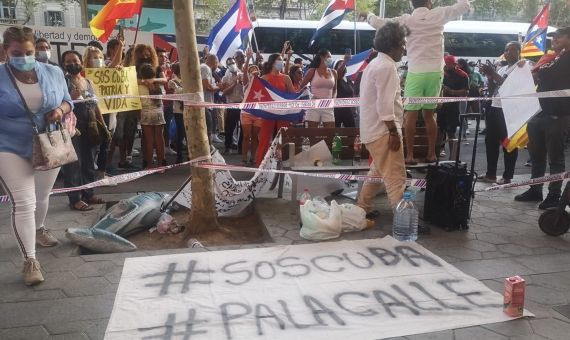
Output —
<point x="271" y="39"/>
<point x="477" y="44"/>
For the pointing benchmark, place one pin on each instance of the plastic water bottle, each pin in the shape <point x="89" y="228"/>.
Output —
<point x="305" y="196"/>
<point x="357" y="150"/>
<point x="405" y="226"/>
<point x="305" y="147"/>
<point x="336" y="149"/>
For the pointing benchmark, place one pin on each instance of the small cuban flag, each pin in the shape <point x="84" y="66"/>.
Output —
<point x="260" y="90"/>
<point x="333" y="15"/>
<point x="357" y="64"/>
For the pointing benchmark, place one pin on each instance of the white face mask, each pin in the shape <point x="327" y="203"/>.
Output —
<point x="279" y="65"/>
<point x="329" y="62"/>
<point x="43" y="55"/>
<point x="233" y="68"/>
<point x="97" y="63"/>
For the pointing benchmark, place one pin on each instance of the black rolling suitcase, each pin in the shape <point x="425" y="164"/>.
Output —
<point x="450" y="188"/>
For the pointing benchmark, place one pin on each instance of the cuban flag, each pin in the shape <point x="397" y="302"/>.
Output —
<point x="357" y="64"/>
<point x="230" y="32"/>
<point x="260" y="90"/>
<point x="534" y="43"/>
<point x="334" y="13"/>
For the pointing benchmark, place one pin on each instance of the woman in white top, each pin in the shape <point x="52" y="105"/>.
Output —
<point x="322" y="78"/>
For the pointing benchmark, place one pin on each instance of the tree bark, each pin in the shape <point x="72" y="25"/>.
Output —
<point x="203" y="215"/>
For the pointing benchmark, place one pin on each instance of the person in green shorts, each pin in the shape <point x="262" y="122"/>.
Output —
<point x="425" y="63"/>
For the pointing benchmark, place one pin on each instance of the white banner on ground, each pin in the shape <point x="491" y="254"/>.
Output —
<point x="518" y="111"/>
<point x="367" y="289"/>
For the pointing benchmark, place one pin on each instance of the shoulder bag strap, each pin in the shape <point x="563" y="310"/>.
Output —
<point x="30" y="114"/>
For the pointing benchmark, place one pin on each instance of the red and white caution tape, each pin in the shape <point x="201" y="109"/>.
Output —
<point x="119" y="179"/>
<point x="541" y="180"/>
<point x="190" y="99"/>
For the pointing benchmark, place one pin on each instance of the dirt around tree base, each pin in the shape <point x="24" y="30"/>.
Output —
<point x="233" y="231"/>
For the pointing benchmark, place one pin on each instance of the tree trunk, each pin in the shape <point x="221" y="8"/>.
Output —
<point x="203" y="213"/>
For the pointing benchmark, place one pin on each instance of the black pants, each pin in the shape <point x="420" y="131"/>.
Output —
<point x="168" y="115"/>
<point x="344" y="116"/>
<point x="546" y="134"/>
<point x="103" y="149"/>
<point x="80" y="172"/>
<point x="496" y="134"/>
<point x="232" y="119"/>
<point x="180" y="135"/>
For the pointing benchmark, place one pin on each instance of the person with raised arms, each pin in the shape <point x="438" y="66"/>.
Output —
<point x="425" y="64"/>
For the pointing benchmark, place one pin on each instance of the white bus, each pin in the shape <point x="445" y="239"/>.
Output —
<point x="477" y="41"/>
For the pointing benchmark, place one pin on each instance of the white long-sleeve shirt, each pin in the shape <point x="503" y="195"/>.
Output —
<point x="380" y="98"/>
<point x="425" y="43"/>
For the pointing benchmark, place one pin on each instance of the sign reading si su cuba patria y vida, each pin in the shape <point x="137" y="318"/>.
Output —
<point x="368" y="289"/>
<point x="115" y="82"/>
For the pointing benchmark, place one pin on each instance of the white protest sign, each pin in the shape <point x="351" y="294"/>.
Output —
<point x="367" y="289"/>
<point x="519" y="110"/>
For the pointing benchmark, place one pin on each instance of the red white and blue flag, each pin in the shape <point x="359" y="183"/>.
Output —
<point x="229" y="34"/>
<point x="357" y="64"/>
<point x="534" y="43"/>
<point x="334" y="13"/>
<point x="260" y="90"/>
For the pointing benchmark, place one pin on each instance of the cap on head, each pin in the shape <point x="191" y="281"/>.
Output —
<point x="561" y="31"/>
<point x="450" y="60"/>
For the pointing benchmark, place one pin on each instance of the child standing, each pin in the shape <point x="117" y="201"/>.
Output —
<point x="152" y="117"/>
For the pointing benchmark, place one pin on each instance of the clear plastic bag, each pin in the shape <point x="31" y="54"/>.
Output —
<point x="316" y="228"/>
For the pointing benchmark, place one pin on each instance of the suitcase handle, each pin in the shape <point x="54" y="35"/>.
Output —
<point x="463" y="116"/>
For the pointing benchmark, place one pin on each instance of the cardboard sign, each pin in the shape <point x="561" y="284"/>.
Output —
<point x="115" y="82"/>
<point x="367" y="289"/>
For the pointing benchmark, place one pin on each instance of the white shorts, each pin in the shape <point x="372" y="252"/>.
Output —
<point x="320" y="115"/>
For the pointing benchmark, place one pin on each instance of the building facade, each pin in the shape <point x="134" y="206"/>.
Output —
<point x="40" y="13"/>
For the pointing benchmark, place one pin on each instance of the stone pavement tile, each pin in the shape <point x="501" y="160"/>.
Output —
<point x="114" y="276"/>
<point x="548" y="263"/>
<point x="81" y="308"/>
<point x="64" y="327"/>
<point x="69" y="336"/>
<point x="24" y="333"/>
<point x="557" y="281"/>
<point x="464" y="254"/>
<point x="546" y="250"/>
<point x="493" y="238"/>
<point x="22" y="314"/>
<point x="55" y="280"/>
<point x="477" y="332"/>
<point x="515" y="249"/>
<point x="545" y="296"/>
<point x="479" y="245"/>
<point x="14" y="293"/>
<point x="97" y="330"/>
<point x="494" y="268"/>
<point x="511" y="328"/>
<point x="528" y="337"/>
<point x="495" y="255"/>
<point x="87" y="286"/>
<point x="61" y="264"/>
<point x="551" y="328"/>
<point x="100" y="268"/>
<point x="442" y="335"/>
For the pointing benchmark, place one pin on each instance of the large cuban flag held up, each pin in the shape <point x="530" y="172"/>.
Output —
<point x="230" y="32"/>
<point x="332" y="16"/>
<point x="357" y="64"/>
<point x="260" y="90"/>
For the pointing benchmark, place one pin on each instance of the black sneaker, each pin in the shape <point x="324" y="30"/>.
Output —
<point x="551" y="201"/>
<point x="531" y="195"/>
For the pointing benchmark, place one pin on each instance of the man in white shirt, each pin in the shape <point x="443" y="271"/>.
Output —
<point x="425" y="63"/>
<point x="210" y="87"/>
<point x="381" y="116"/>
<point x="233" y="90"/>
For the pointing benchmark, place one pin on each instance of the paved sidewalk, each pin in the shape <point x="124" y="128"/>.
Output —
<point x="76" y="300"/>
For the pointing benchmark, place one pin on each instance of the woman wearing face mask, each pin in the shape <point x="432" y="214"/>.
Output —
<point x="45" y="95"/>
<point x="273" y="74"/>
<point x="83" y="171"/>
<point x="250" y="124"/>
<point x="323" y="86"/>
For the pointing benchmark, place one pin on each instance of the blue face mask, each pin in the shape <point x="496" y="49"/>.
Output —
<point x="279" y="65"/>
<point x="23" y="64"/>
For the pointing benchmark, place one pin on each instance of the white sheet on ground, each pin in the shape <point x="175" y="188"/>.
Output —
<point x="366" y="289"/>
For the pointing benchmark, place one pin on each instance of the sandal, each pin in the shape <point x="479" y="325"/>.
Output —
<point x="96" y="200"/>
<point x="82" y="206"/>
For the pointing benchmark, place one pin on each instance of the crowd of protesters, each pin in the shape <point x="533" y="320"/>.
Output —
<point x="48" y="91"/>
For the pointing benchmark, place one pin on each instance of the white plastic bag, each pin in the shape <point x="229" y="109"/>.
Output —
<point x="316" y="228"/>
<point x="353" y="217"/>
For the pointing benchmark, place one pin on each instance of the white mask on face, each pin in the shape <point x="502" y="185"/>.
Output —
<point x="97" y="63"/>
<point x="233" y="68"/>
<point x="43" y="56"/>
<point x="279" y="65"/>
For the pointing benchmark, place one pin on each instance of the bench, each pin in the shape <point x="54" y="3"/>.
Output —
<point x="291" y="142"/>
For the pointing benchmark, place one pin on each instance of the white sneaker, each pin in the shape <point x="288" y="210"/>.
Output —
<point x="169" y="151"/>
<point x="32" y="272"/>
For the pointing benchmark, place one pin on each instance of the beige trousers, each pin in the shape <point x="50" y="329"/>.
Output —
<point x="389" y="165"/>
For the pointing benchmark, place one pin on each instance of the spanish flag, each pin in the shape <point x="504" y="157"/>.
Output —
<point x="104" y="22"/>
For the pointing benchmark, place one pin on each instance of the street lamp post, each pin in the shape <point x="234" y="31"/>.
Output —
<point x="382" y="9"/>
